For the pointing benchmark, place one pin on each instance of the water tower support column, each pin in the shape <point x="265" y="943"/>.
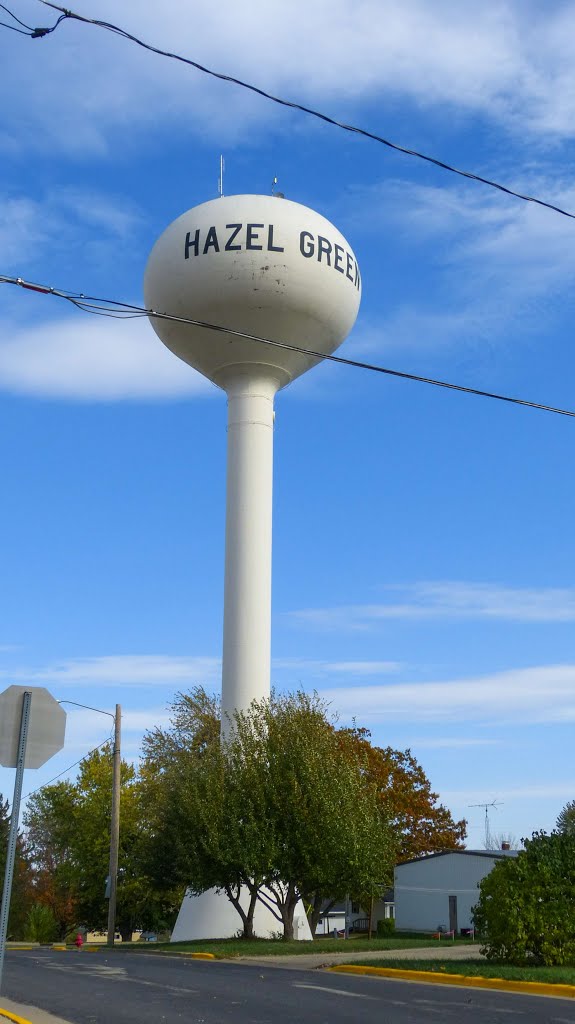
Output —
<point x="248" y="571"/>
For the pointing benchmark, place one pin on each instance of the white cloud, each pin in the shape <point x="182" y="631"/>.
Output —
<point x="495" y="261"/>
<point x="450" y="600"/>
<point x="525" y="242"/>
<point x="361" y="668"/>
<point x="86" y="729"/>
<point x="450" y="742"/>
<point x="93" y="359"/>
<point x="322" y="668"/>
<point x="125" y="670"/>
<point x="531" y="695"/>
<point x="21" y="228"/>
<point x="115" y="216"/>
<point x="555" y="791"/>
<point x="170" y="670"/>
<point x="512" y="61"/>
<point x="62" y="220"/>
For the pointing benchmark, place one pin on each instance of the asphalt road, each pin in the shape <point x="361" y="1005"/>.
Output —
<point x="96" y="988"/>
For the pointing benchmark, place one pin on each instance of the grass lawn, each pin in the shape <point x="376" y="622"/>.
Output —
<point x="276" y="947"/>
<point x="483" y="969"/>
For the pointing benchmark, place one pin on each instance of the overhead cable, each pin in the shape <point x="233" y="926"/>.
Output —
<point x="13" y="27"/>
<point x="69" y="769"/>
<point x="354" y="129"/>
<point x="126" y="310"/>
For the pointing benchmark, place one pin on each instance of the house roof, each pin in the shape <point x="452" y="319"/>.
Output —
<point x="493" y="854"/>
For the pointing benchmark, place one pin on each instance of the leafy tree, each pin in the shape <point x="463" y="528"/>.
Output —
<point x="69" y="834"/>
<point x="50" y="825"/>
<point x="404" y="791"/>
<point x="169" y="757"/>
<point x="276" y="807"/>
<point x="22" y="879"/>
<point x="41" y="925"/>
<point x="526" y="907"/>
<point x="201" y="824"/>
<point x="332" y="834"/>
<point x="566" y="818"/>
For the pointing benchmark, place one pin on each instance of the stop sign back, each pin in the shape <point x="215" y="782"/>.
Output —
<point x="46" y="727"/>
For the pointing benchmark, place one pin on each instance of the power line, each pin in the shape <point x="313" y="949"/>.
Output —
<point x="291" y="104"/>
<point x="66" y="770"/>
<point x="88" y="708"/>
<point x="125" y="311"/>
<point x="13" y="27"/>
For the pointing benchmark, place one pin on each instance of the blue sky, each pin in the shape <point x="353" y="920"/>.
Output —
<point x="423" y="540"/>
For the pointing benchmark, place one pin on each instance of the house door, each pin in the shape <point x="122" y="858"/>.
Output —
<point x="453" y="914"/>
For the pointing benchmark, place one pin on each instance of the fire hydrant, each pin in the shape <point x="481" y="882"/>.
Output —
<point x="79" y="941"/>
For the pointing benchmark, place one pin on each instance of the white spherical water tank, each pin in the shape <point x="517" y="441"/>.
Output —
<point x="274" y="269"/>
<point x="258" y="264"/>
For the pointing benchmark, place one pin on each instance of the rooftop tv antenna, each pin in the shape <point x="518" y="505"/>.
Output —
<point x="221" y="177"/>
<point x="486" y="806"/>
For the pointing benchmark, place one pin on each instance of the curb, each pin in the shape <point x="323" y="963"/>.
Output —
<point x="181" y="954"/>
<point x="13" y="1017"/>
<point x="534" y="988"/>
<point x="72" y="949"/>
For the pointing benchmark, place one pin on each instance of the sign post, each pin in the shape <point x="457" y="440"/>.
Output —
<point x="32" y="728"/>
<point x="9" y="871"/>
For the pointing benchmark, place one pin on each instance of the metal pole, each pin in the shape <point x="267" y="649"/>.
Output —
<point x="115" y="826"/>
<point x="13" y="837"/>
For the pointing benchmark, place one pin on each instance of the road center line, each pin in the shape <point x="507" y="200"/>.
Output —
<point x="335" y="991"/>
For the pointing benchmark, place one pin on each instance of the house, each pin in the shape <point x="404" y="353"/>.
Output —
<point x="333" y="917"/>
<point x="437" y="892"/>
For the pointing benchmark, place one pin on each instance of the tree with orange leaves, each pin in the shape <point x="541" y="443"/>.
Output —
<point x="419" y="823"/>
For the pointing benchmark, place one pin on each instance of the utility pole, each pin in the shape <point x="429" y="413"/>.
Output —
<point x="115" y="826"/>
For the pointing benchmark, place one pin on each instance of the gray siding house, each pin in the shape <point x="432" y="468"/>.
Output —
<point x="437" y="892"/>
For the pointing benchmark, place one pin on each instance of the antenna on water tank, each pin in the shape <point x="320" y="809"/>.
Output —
<point x="278" y="195"/>
<point x="221" y="177"/>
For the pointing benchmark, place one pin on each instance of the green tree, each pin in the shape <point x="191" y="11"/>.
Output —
<point x="526" y="907"/>
<point x="41" y="925"/>
<point x="566" y="818"/>
<point x="275" y="807"/>
<point x="50" y="829"/>
<point x="333" y="835"/>
<point x="22" y="895"/>
<point x="69" y="829"/>
<point x="202" y="826"/>
<point x="203" y="812"/>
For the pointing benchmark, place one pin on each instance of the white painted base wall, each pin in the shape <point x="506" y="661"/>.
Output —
<point x="211" y="916"/>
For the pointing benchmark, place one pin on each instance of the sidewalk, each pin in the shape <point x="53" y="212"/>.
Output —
<point x="314" y="961"/>
<point x="26" y="1014"/>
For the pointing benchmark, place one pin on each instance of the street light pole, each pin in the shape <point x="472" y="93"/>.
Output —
<point x="112" y="881"/>
<point x="115" y="827"/>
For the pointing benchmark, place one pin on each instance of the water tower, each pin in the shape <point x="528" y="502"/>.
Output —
<point x="269" y="267"/>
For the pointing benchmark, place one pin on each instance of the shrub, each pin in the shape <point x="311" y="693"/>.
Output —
<point x="526" y="908"/>
<point x="385" y="927"/>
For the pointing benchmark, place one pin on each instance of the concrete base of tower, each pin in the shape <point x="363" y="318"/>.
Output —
<point x="212" y="916"/>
